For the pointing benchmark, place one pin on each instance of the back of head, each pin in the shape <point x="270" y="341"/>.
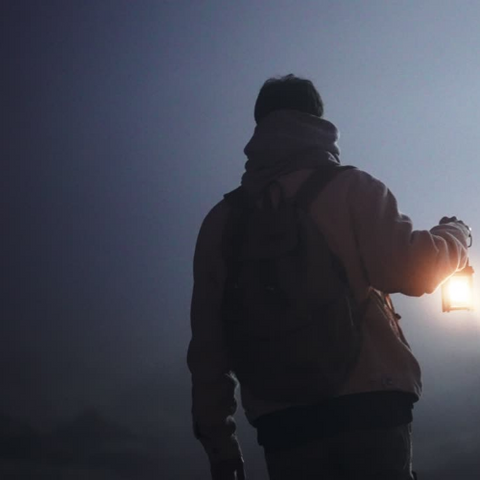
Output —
<point x="290" y="93"/>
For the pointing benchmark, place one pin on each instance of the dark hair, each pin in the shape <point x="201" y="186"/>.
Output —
<point x="288" y="92"/>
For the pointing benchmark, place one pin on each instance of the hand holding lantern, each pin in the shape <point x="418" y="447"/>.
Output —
<point x="457" y="291"/>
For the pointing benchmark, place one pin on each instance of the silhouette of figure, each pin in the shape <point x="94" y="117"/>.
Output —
<point x="363" y="430"/>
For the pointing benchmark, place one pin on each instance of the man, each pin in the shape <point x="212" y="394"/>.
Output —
<point x="365" y="430"/>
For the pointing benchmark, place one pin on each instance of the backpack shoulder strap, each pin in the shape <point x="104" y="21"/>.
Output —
<point x="316" y="182"/>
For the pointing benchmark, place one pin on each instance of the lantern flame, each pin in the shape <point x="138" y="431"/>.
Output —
<point x="457" y="291"/>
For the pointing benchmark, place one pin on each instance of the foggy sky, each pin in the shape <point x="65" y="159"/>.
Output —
<point x="124" y="122"/>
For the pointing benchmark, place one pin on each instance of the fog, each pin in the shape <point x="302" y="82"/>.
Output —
<point x="123" y="123"/>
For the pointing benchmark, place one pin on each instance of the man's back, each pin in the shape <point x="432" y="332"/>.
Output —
<point x="381" y="252"/>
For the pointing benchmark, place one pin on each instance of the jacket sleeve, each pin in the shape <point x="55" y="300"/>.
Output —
<point x="397" y="258"/>
<point x="213" y="385"/>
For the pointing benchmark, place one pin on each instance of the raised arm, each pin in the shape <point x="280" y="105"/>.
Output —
<point x="396" y="257"/>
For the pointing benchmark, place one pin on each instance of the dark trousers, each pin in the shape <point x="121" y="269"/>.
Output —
<point x="379" y="454"/>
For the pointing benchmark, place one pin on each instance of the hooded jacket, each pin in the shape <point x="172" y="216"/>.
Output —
<point x="360" y="219"/>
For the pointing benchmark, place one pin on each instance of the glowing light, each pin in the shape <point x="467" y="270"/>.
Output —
<point x="457" y="291"/>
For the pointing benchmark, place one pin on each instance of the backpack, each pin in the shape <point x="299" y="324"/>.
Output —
<point x="290" y="320"/>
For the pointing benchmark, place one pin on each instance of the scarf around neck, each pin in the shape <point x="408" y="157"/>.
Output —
<point x="285" y="141"/>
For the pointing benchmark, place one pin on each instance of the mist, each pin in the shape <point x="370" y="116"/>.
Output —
<point x="123" y="123"/>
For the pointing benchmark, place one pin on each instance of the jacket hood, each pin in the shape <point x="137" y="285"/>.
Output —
<point x="285" y="141"/>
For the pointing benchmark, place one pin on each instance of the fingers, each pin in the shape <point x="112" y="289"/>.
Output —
<point x="444" y="220"/>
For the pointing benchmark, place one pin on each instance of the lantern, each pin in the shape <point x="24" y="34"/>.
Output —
<point x="457" y="291"/>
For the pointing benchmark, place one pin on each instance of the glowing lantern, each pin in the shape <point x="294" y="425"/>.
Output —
<point x="457" y="291"/>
